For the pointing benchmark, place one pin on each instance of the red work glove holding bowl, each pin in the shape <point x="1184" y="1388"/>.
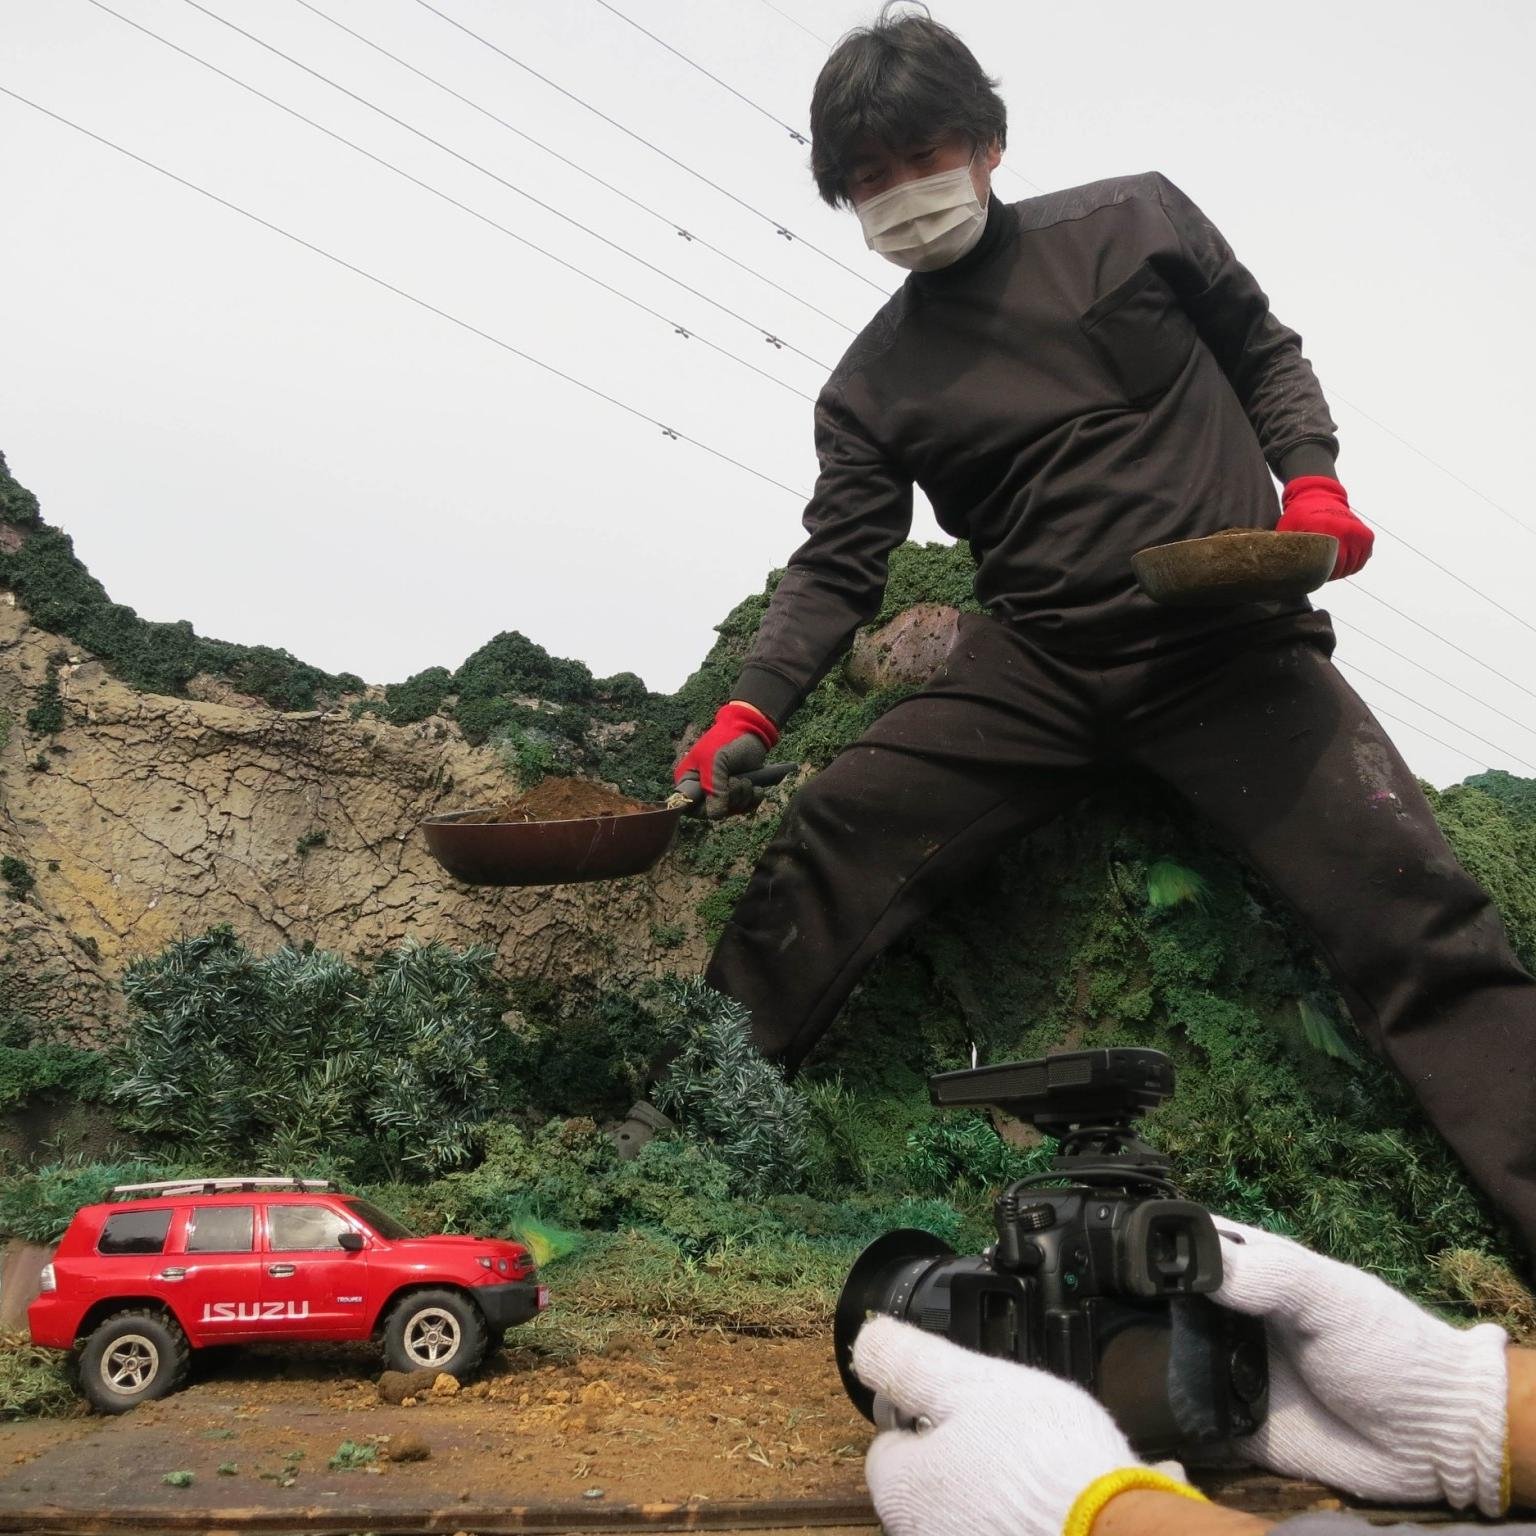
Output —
<point x="735" y="744"/>
<point x="1318" y="504"/>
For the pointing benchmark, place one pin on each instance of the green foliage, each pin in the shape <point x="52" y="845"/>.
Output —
<point x="309" y="841"/>
<point x="722" y="1091"/>
<point x="62" y="596"/>
<point x="350" y="1455"/>
<point x="34" y="1382"/>
<point x="1496" y="841"/>
<point x="178" y="1479"/>
<point x="7" y="720"/>
<point x="298" y="1056"/>
<point x="418" y="696"/>
<point x="667" y="935"/>
<point x="1171" y="885"/>
<point x="47" y="715"/>
<point x="527" y="755"/>
<point x="17" y="876"/>
<point x="58" y="1071"/>
<point x="36" y="1206"/>
<point x="1516" y="795"/>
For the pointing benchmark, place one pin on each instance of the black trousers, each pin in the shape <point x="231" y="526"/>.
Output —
<point x="1261" y="734"/>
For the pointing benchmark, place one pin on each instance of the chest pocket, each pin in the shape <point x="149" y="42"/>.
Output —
<point x="1142" y="334"/>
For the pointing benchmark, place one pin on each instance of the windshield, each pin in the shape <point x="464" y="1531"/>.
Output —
<point x="381" y="1222"/>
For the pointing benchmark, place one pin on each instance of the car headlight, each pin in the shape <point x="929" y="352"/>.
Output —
<point x="46" y="1280"/>
<point x="502" y="1265"/>
<point x="483" y="1262"/>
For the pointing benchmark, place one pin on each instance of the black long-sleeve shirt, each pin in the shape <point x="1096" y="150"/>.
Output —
<point x="1099" y="374"/>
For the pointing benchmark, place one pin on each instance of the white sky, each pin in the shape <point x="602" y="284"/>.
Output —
<point x="240" y="433"/>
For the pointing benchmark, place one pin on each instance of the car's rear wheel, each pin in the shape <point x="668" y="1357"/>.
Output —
<point x="132" y="1358"/>
<point x="437" y="1330"/>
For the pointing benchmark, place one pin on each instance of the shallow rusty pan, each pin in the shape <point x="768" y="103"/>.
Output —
<point x="1238" y="565"/>
<point x="565" y="852"/>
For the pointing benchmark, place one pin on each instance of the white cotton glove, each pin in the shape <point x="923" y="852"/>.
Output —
<point x="1001" y="1449"/>
<point x="1367" y="1391"/>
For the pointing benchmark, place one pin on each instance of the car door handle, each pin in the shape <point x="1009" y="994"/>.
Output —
<point x="280" y="1270"/>
<point x="176" y="1272"/>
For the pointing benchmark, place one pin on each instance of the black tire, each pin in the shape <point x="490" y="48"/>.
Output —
<point x="437" y="1330"/>
<point x="133" y="1357"/>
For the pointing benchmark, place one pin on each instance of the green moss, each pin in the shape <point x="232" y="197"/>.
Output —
<point x="18" y="878"/>
<point x="59" y="1071"/>
<point x="62" y="596"/>
<point x="47" y="714"/>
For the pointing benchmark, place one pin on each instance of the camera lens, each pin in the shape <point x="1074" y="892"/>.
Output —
<point x="1249" y="1371"/>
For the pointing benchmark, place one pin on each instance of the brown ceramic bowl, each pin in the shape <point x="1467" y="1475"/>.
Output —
<point x="550" y="852"/>
<point x="1238" y="565"/>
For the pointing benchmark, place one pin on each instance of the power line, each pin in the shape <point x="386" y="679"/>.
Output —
<point x="673" y="224"/>
<point x="511" y="234"/>
<point x="1351" y="667"/>
<point x="795" y="23"/>
<point x="1519" y="522"/>
<point x="1419" y="623"/>
<point x="661" y="42"/>
<point x="1446" y="570"/>
<point x="443" y="314"/>
<point x="779" y="228"/>
<point x="769" y="336"/>
<point x="1429" y="736"/>
<point x="1429" y="672"/>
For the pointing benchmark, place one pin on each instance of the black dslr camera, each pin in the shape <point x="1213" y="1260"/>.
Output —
<point x="1103" y="1278"/>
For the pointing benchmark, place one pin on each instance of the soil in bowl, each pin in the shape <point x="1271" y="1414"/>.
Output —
<point x="557" y="800"/>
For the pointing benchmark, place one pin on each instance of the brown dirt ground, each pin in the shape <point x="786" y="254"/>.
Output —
<point x="559" y="800"/>
<point x="650" y="1420"/>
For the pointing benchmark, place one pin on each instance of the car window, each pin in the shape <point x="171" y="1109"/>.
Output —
<point x="135" y="1232"/>
<point x="381" y="1221"/>
<point x="221" y="1229"/>
<point x="294" y="1227"/>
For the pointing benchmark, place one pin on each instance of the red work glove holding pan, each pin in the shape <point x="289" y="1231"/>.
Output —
<point x="735" y="744"/>
<point x="1319" y="504"/>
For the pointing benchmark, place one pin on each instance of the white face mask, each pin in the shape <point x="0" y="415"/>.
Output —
<point x="926" y="224"/>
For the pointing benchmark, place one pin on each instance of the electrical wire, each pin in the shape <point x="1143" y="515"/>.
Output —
<point x="1451" y="474"/>
<point x="769" y="336"/>
<point x="1429" y="736"/>
<point x="1460" y="581"/>
<point x="1462" y="650"/>
<point x="676" y="326"/>
<point x="779" y="228"/>
<point x="1349" y="666"/>
<point x="661" y="42"/>
<point x="1429" y="672"/>
<point x="675" y="225"/>
<point x="465" y="325"/>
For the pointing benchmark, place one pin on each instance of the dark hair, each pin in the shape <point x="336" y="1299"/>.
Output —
<point x="900" y="81"/>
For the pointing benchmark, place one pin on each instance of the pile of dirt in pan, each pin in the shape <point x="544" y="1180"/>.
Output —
<point x="555" y="799"/>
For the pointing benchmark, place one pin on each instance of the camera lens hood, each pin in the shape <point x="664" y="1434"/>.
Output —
<point x="882" y="1279"/>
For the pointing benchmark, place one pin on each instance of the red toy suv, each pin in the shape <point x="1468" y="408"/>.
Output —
<point x="163" y="1269"/>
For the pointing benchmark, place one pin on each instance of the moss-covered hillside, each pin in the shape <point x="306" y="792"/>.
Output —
<point x="1124" y="923"/>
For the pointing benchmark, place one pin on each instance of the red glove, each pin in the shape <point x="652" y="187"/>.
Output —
<point x="1318" y="504"/>
<point x="736" y="743"/>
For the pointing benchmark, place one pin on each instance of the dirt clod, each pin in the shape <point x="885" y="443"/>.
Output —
<point x="555" y="799"/>
<point x="445" y="1385"/>
<point x="396" y="1386"/>
<point x="409" y="1447"/>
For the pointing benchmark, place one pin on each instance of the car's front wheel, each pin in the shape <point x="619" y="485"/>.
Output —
<point x="437" y="1330"/>
<point x="132" y="1358"/>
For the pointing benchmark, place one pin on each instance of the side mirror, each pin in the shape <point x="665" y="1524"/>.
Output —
<point x="352" y="1242"/>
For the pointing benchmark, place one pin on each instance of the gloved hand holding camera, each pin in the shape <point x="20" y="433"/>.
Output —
<point x="1368" y="1393"/>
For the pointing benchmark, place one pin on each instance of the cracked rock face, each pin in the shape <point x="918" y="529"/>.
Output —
<point x="146" y="818"/>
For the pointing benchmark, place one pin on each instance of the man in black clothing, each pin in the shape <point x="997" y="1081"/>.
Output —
<point x="1071" y="379"/>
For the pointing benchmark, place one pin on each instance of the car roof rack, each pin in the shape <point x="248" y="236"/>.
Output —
<point x="223" y="1186"/>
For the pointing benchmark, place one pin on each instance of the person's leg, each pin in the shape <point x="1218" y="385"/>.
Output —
<point x="1276" y="749"/>
<point x="996" y="744"/>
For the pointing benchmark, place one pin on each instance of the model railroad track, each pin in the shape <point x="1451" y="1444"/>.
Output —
<point x="1257" y="1494"/>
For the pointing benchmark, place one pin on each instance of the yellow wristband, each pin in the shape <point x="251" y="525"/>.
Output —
<point x="1091" y="1501"/>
